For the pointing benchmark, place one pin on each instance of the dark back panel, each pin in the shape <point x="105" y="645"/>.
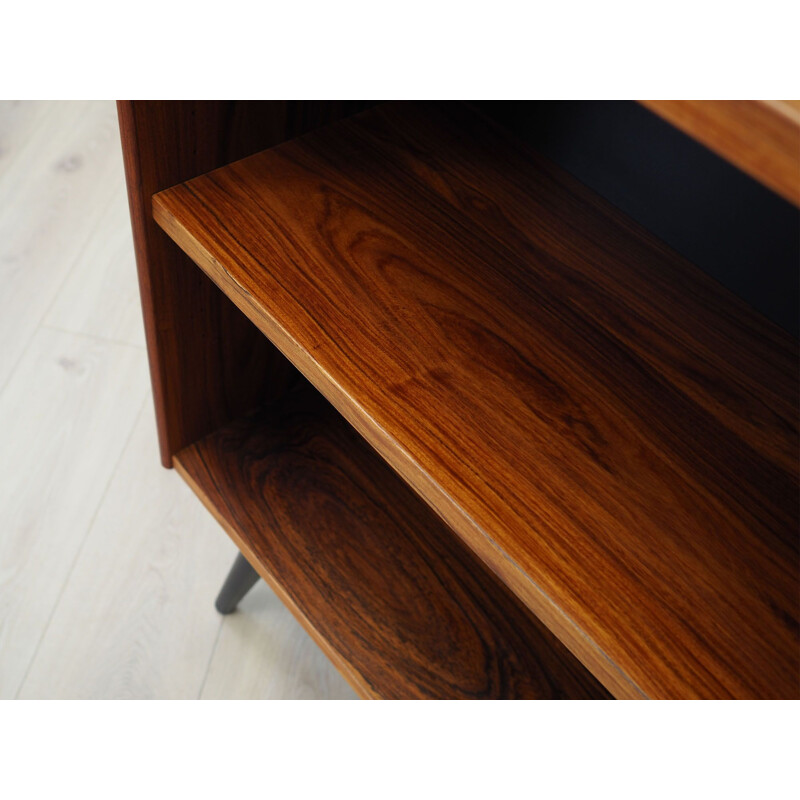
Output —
<point x="732" y="227"/>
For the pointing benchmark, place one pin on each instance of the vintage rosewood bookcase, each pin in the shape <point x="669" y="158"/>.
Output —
<point x="484" y="434"/>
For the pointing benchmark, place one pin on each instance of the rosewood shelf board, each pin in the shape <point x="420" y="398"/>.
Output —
<point x="607" y="428"/>
<point x="394" y="598"/>
<point x="761" y="137"/>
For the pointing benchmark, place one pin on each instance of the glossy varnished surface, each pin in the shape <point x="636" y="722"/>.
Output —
<point x="207" y="364"/>
<point x="610" y="430"/>
<point x="108" y="564"/>
<point x="396" y="600"/>
<point x="761" y="137"/>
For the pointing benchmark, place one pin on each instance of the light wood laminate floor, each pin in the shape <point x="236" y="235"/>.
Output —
<point x="108" y="564"/>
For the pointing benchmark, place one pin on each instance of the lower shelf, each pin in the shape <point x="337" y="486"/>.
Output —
<point x="385" y="588"/>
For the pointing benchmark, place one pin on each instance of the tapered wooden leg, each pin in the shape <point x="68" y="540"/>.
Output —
<point x="239" y="582"/>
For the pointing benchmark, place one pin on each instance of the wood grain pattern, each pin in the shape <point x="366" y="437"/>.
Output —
<point x="761" y="137"/>
<point x="609" y="429"/>
<point x="59" y="163"/>
<point x="21" y="124"/>
<point x="136" y="619"/>
<point x="108" y="565"/>
<point x="207" y="364"/>
<point x="263" y="653"/>
<point x="387" y="590"/>
<point x="100" y="297"/>
<point x="66" y="415"/>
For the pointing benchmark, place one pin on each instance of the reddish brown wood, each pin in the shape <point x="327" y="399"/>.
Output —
<point x="207" y="363"/>
<point x="761" y="137"/>
<point x="614" y="433"/>
<point x="390" y="593"/>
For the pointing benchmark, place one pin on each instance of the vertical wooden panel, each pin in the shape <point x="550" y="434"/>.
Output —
<point x="208" y="363"/>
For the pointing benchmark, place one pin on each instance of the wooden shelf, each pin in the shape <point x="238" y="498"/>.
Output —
<point x="761" y="137"/>
<point x="392" y="596"/>
<point x="612" y="432"/>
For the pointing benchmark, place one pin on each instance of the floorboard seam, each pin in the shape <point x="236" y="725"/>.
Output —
<point x="78" y="552"/>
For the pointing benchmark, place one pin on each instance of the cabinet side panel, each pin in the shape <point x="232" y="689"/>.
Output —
<point x="208" y="364"/>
